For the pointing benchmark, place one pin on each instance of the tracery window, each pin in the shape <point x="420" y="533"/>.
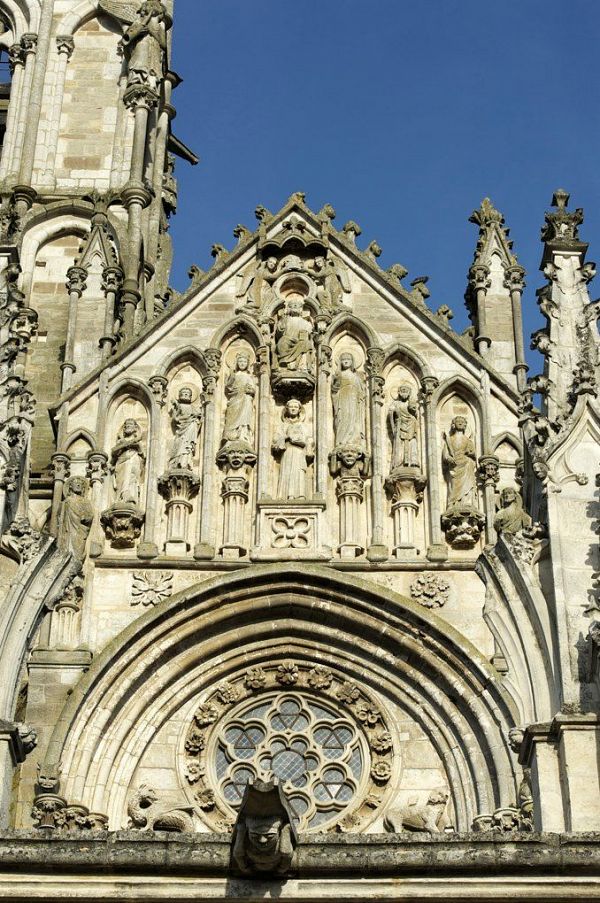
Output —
<point x="318" y="734"/>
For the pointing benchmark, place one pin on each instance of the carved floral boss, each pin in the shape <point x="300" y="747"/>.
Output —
<point x="324" y="739"/>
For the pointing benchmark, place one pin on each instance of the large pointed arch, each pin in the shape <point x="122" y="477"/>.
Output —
<point x="203" y="634"/>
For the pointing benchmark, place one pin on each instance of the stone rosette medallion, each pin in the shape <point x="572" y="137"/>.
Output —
<point x="322" y="736"/>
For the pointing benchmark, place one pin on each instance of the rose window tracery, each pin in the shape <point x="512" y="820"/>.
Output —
<point x="302" y="725"/>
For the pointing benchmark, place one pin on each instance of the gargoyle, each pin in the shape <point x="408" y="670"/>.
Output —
<point x="264" y="837"/>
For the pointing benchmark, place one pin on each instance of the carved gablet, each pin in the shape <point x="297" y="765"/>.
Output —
<point x="264" y="837"/>
<point x="123" y="521"/>
<point x="462" y="521"/>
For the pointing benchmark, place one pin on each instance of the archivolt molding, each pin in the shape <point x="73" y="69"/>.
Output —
<point x="172" y="655"/>
<point x="81" y="14"/>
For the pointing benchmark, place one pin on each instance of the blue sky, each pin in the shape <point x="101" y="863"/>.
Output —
<point x="402" y="114"/>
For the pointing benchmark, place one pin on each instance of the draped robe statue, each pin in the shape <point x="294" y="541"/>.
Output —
<point x="293" y="344"/>
<point x="240" y="390"/>
<point x="127" y="459"/>
<point x="295" y="449"/>
<point x="348" y="397"/>
<point x="403" y="424"/>
<point x="186" y="421"/>
<point x="459" y="461"/>
<point x="76" y="518"/>
<point x="511" y="518"/>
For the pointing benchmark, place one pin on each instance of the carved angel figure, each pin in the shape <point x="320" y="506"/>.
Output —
<point x="186" y="421"/>
<point x="127" y="459"/>
<point x="145" y="40"/>
<point x="459" y="459"/>
<point x="348" y="397"/>
<point x="334" y="282"/>
<point x="403" y="424"/>
<point x="256" y="283"/>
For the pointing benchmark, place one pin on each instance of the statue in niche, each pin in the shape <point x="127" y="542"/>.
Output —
<point x="127" y="459"/>
<point x="186" y="420"/>
<point x="333" y="280"/>
<point x="256" y="284"/>
<point x="459" y="461"/>
<point x="145" y="40"/>
<point x="348" y="396"/>
<point x="76" y="518"/>
<point x="240" y="390"/>
<point x="404" y="427"/>
<point x="511" y="518"/>
<point x="295" y="450"/>
<point x="293" y="337"/>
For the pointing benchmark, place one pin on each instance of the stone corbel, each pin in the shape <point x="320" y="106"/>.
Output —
<point x="405" y="487"/>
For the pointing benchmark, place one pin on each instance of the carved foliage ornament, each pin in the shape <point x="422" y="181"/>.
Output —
<point x="322" y="737"/>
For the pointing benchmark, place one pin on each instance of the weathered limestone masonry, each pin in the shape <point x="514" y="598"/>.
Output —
<point x="299" y="587"/>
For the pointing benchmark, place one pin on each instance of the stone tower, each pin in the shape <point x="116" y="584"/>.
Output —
<point x="286" y="564"/>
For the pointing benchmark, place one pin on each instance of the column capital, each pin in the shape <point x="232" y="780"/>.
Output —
<point x="514" y="278"/>
<point x="29" y="42"/>
<point x="140" y="97"/>
<point x="65" y="45"/>
<point x="76" y="283"/>
<point x="15" y="56"/>
<point x="479" y="277"/>
<point x="112" y="279"/>
<point x="61" y="466"/>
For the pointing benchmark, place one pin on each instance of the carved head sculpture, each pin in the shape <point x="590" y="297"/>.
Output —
<point x="263" y="833"/>
<point x="516" y="735"/>
<point x="540" y="469"/>
<point x="347" y="361"/>
<point x="404" y="392"/>
<point x="293" y="410"/>
<point x="349" y="456"/>
<point x="76" y="486"/>
<point x="271" y="264"/>
<point x="130" y="428"/>
<point x="242" y="360"/>
<point x="185" y="395"/>
<point x="508" y="497"/>
<point x="459" y="424"/>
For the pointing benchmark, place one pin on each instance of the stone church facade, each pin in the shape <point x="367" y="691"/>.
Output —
<point x="299" y="586"/>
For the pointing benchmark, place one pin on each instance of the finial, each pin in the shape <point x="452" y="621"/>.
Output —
<point x="486" y="214"/>
<point x="398" y="271"/>
<point x="560" y="198"/>
<point x="298" y="197"/>
<point x="373" y="251"/>
<point x="219" y="252"/>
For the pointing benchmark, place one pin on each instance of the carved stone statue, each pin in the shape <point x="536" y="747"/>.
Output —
<point x="186" y="420"/>
<point x="264" y="837"/>
<point x="240" y="390"/>
<point x="295" y="449"/>
<point x="76" y="518"/>
<point x="256" y="284"/>
<point x="147" y="811"/>
<point x="333" y="280"/>
<point x="348" y="396"/>
<point x="404" y="428"/>
<point x="127" y="459"/>
<point x="459" y="461"/>
<point x="511" y="518"/>
<point x="293" y="337"/>
<point x="145" y="40"/>
<point x="418" y="816"/>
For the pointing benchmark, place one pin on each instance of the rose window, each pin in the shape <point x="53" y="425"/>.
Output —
<point x="318" y="758"/>
<point x="319" y="735"/>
